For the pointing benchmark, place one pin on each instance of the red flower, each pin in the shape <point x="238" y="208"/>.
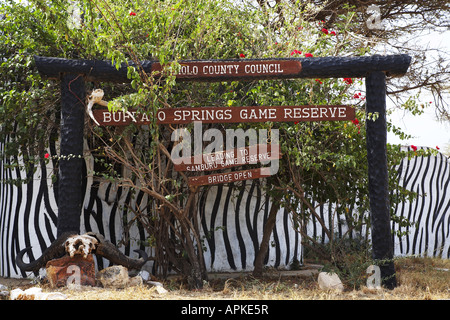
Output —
<point x="295" y="52"/>
<point x="356" y="123"/>
<point x="308" y="55"/>
<point x="348" y="80"/>
<point x="437" y="147"/>
<point x="324" y="30"/>
<point x="318" y="80"/>
<point x="242" y="55"/>
<point x="132" y="13"/>
<point x="333" y="33"/>
<point x="46" y="156"/>
<point x="413" y="147"/>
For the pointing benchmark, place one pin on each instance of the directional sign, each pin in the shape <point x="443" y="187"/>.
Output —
<point x="229" y="177"/>
<point x="229" y="158"/>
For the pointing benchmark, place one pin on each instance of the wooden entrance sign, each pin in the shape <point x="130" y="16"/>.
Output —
<point x="74" y="74"/>
<point x="229" y="115"/>
<point x="240" y="69"/>
<point x="255" y="114"/>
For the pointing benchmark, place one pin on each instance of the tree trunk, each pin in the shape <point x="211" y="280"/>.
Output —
<point x="264" y="246"/>
<point x="196" y="273"/>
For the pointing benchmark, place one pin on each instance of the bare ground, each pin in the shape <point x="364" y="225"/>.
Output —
<point x="418" y="279"/>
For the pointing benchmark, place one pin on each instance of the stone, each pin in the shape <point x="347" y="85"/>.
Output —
<point x="114" y="277"/>
<point x="159" y="287"/>
<point x="35" y="293"/>
<point x="330" y="281"/>
<point x="135" y="281"/>
<point x="145" y="275"/>
<point x="55" y="296"/>
<point x="78" y="270"/>
<point x="4" y="295"/>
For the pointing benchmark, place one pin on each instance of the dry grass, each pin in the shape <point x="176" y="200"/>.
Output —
<point x="418" y="279"/>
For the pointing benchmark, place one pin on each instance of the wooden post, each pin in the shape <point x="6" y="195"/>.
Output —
<point x="382" y="244"/>
<point x="70" y="189"/>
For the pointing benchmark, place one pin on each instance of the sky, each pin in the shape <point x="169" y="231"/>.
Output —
<point x="426" y="130"/>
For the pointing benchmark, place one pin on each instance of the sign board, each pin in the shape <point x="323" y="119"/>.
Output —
<point x="229" y="115"/>
<point x="229" y="177"/>
<point x="229" y="158"/>
<point x="213" y="70"/>
<point x="255" y="114"/>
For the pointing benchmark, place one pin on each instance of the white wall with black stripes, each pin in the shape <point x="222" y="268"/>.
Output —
<point x="430" y="178"/>
<point x="233" y="219"/>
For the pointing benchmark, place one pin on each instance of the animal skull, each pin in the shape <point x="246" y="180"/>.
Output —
<point x="89" y="243"/>
<point x="96" y="97"/>
<point x="80" y="245"/>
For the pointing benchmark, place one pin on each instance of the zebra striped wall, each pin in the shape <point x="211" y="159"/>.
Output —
<point x="234" y="219"/>
<point x="430" y="211"/>
<point x="430" y="178"/>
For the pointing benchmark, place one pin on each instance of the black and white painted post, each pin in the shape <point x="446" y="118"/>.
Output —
<point x="373" y="68"/>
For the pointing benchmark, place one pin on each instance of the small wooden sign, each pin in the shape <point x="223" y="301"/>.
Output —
<point x="255" y="114"/>
<point x="227" y="177"/>
<point x="242" y="69"/>
<point x="229" y="158"/>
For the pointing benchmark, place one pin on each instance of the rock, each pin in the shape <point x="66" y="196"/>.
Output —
<point x="29" y="294"/>
<point x="4" y="292"/>
<point x="35" y="293"/>
<point x="159" y="287"/>
<point x="145" y="275"/>
<point x="114" y="277"/>
<point x="15" y="293"/>
<point x="135" y="281"/>
<point x="330" y="281"/>
<point x="78" y="270"/>
<point x="4" y="295"/>
<point x="55" y="296"/>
